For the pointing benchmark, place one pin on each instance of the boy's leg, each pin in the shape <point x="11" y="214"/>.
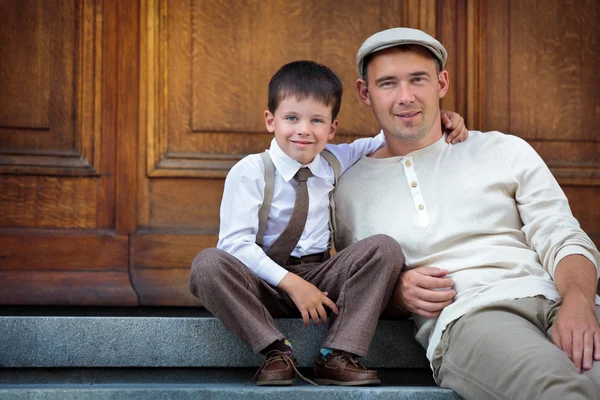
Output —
<point x="502" y="352"/>
<point x="241" y="301"/>
<point x="360" y="280"/>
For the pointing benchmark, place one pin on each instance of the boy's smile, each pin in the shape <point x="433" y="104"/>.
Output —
<point x="302" y="127"/>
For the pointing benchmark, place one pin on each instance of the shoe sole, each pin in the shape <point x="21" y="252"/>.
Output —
<point x="352" y="383"/>
<point x="287" y="382"/>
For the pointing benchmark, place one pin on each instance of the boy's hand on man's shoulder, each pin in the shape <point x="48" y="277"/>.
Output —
<point x="308" y="298"/>
<point x="455" y="124"/>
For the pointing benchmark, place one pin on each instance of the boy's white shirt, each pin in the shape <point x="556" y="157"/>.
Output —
<point x="243" y="195"/>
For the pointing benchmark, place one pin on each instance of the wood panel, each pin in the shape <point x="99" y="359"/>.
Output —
<point x="208" y="64"/>
<point x="161" y="265"/>
<point x="50" y="87"/>
<point x="48" y="267"/>
<point x="535" y="82"/>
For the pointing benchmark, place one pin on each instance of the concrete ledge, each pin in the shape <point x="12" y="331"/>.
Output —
<point x="217" y="392"/>
<point x="147" y="341"/>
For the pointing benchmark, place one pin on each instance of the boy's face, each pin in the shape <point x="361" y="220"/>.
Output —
<point x="302" y="128"/>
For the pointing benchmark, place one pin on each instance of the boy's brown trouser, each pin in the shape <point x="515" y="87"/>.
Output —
<point x="359" y="279"/>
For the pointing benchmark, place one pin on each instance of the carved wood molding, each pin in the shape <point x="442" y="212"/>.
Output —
<point x="161" y="162"/>
<point x="85" y="158"/>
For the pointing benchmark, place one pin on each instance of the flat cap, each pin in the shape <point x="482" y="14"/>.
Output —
<point x="396" y="37"/>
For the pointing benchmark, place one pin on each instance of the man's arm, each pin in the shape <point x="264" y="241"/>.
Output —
<point x="576" y="330"/>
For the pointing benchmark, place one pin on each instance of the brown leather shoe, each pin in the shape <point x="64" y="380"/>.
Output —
<point x="278" y="369"/>
<point x="342" y="368"/>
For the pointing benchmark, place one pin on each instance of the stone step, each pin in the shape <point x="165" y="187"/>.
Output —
<point x="49" y="338"/>
<point x="231" y="391"/>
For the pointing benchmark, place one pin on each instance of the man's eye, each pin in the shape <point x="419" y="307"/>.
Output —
<point x="418" y="79"/>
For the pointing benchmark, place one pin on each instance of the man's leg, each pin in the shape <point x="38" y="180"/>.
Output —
<point x="360" y="280"/>
<point x="502" y="352"/>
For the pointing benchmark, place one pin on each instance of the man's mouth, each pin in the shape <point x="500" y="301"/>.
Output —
<point x="407" y="115"/>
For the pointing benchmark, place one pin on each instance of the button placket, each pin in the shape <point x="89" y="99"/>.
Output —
<point x="415" y="191"/>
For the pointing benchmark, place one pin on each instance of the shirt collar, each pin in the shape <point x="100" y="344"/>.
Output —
<point x="288" y="167"/>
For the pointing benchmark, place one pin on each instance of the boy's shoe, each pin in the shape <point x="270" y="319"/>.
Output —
<point x="342" y="368"/>
<point x="278" y="369"/>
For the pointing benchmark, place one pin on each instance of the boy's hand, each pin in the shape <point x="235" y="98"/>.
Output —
<point x="451" y="120"/>
<point x="307" y="298"/>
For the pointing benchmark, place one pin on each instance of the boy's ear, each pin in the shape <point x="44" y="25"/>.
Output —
<point x="269" y="121"/>
<point x="332" y="129"/>
<point x="363" y="92"/>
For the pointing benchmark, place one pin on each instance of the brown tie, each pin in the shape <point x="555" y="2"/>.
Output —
<point x="283" y="246"/>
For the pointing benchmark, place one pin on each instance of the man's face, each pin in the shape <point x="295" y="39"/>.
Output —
<point x="302" y="128"/>
<point x="404" y="90"/>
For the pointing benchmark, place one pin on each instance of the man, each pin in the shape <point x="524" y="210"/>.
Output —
<point x="501" y="279"/>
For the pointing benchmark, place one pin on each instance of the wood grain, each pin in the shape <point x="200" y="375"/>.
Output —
<point x="50" y="87"/>
<point x="59" y="250"/>
<point x="161" y="265"/>
<point x="66" y="288"/>
<point x="47" y="202"/>
<point x="185" y="203"/>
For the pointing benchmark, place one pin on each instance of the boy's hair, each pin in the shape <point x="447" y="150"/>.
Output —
<point x="304" y="79"/>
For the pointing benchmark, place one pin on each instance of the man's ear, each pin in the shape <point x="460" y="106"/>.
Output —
<point x="269" y="121"/>
<point x="444" y="83"/>
<point x="363" y="92"/>
<point x="332" y="130"/>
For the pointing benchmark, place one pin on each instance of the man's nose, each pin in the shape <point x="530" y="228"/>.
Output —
<point x="404" y="94"/>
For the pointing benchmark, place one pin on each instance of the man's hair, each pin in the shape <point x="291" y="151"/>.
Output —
<point x="404" y="48"/>
<point x="304" y="79"/>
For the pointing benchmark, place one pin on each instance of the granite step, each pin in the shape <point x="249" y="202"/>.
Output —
<point x="233" y="391"/>
<point x="49" y="338"/>
<point x="162" y="353"/>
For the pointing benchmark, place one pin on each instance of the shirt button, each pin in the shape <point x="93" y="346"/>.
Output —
<point x="413" y="184"/>
<point x="420" y="206"/>
<point x="408" y="163"/>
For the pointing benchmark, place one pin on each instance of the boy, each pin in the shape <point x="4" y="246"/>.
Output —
<point x="244" y="284"/>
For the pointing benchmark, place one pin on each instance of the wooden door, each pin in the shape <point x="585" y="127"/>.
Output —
<point x="120" y="119"/>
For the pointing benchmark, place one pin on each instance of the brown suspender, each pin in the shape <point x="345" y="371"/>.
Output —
<point x="263" y="213"/>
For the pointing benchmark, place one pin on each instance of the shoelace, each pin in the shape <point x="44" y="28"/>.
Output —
<point x="278" y="355"/>
<point x="344" y="354"/>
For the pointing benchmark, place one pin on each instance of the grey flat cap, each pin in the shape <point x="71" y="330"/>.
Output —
<point x="395" y="37"/>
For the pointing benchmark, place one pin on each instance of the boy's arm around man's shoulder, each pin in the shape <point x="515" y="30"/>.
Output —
<point x="349" y="153"/>
<point x="243" y="194"/>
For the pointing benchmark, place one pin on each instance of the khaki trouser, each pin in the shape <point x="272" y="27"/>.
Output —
<point x="359" y="279"/>
<point x="504" y="351"/>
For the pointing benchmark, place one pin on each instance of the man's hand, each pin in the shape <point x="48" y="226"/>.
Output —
<point x="451" y="120"/>
<point x="576" y="331"/>
<point x="415" y="291"/>
<point x="307" y="298"/>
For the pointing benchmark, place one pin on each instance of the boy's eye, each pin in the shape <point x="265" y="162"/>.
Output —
<point x="318" y="120"/>
<point x="291" y="118"/>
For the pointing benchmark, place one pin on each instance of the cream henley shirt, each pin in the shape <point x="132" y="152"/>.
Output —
<point x="488" y="210"/>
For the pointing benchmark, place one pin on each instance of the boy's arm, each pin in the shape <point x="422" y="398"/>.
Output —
<point x="242" y="197"/>
<point x="349" y="153"/>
